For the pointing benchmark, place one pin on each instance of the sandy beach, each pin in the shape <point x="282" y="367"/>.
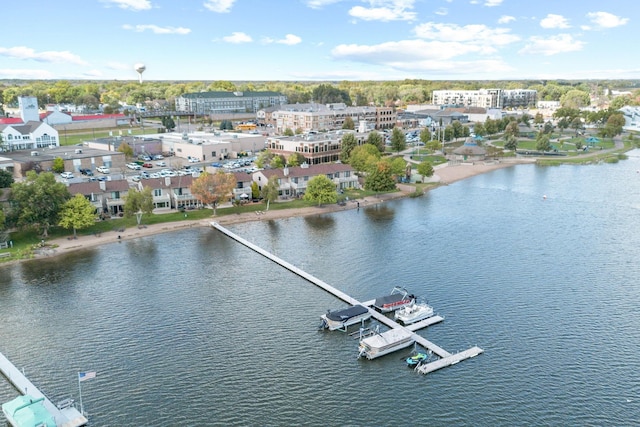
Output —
<point x="444" y="174"/>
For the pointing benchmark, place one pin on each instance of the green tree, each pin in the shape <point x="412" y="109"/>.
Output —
<point x="425" y="169"/>
<point x="138" y="202"/>
<point x="364" y="157"/>
<point x="374" y="138"/>
<point x="458" y="131"/>
<point x="512" y="129"/>
<point x="348" y="143"/>
<point x="348" y="123"/>
<point x="271" y="190"/>
<point x="288" y="132"/>
<point x="490" y="126"/>
<point x="398" y="166"/>
<point x="168" y="123"/>
<point x="58" y="165"/>
<point x="542" y="142"/>
<point x="295" y="159"/>
<point x="548" y="128"/>
<point x="6" y="178"/>
<point x="575" y="99"/>
<point x="77" y="213"/>
<point x="538" y="120"/>
<point x="213" y="188"/>
<point x="37" y="201"/>
<point x="126" y="149"/>
<point x="576" y="124"/>
<point x="479" y="129"/>
<point x="255" y="190"/>
<point x="425" y="136"/>
<point x="380" y="178"/>
<point x="510" y="143"/>
<point x="322" y="190"/>
<point x="398" y="140"/>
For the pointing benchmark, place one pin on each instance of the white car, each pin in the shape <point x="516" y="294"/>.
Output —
<point x="193" y="160"/>
<point x="66" y="175"/>
<point x="133" y="166"/>
<point x="103" y="169"/>
<point x="161" y="164"/>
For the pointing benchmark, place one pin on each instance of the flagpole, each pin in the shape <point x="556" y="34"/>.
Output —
<point x="80" y="390"/>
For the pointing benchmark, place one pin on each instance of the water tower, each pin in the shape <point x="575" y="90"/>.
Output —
<point x="139" y="69"/>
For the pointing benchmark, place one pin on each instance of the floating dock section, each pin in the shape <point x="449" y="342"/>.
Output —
<point x="66" y="417"/>
<point x="446" y="358"/>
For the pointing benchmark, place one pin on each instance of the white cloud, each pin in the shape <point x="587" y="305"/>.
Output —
<point x="385" y="10"/>
<point x="130" y="4"/>
<point x="475" y="34"/>
<point x="421" y="56"/>
<point x="554" y="21"/>
<point x="505" y="19"/>
<point x="606" y="19"/>
<point x="26" y="53"/>
<point x="553" y="45"/>
<point x="219" y="6"/>
<point x="319" y="4"/>
<point x="290" y="39"/>
<point x="238" y="37"/>
<point x="443" y="11"/>
<point x="406" y="51"/>
<point x="156" y="29"/>
<point x="492" y="3"/>
<point x="25" y="74"/>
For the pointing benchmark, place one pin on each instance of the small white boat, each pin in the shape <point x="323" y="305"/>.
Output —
<point x="413" y="313"/>
<point x="341" y="319"/>
<point x="387" y="342"/>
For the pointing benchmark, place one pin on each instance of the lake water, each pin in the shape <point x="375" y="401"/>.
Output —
<point x="191" y="328"/>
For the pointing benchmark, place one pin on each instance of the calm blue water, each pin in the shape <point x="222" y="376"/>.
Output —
<point x="191" y="328"/>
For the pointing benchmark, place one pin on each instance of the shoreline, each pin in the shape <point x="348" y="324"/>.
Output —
<point x="442" y="176"/>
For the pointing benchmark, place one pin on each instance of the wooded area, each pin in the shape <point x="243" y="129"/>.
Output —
<point x="161" y="94"/>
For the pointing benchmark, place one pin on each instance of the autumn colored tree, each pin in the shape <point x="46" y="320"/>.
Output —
<point x="77" y="213"/>
<point x="211" y="189"/>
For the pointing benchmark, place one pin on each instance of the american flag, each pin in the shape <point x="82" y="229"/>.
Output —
<point x="83" y="376"/>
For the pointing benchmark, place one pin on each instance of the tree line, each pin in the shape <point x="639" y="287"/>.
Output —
<point x="162" y="94"/>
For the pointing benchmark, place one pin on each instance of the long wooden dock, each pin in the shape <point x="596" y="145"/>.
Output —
<point x="66" y="417"/>
<point x="446" y="358"/>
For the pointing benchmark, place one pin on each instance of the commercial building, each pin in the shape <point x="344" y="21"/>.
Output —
<point x="486" y="98"/>
<point x="202" y="103"/>
<point x="325" y="117"/>
<point x="316" y="147"/>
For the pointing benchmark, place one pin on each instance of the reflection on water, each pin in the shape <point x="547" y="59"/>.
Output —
<point x="191" y="328"/>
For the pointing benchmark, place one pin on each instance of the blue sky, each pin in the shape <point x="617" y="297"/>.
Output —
<point x="320" y="39"/>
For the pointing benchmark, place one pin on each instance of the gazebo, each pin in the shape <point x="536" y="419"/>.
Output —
<point x="470" y="152"/>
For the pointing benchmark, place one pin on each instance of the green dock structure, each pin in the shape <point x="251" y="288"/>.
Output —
<point x="445" y="358"/>
<point x="33" y="408"/>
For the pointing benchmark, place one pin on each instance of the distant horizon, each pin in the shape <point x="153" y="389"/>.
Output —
<point x="320" y="40"/>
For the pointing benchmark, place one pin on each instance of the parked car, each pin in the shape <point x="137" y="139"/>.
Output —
<point x="216" y="165"/>
<point x="144" y="175"/>
<point x="161" y="164"/>
<point x="147" y="165"/>
<point x="135" y="178"/>
<point x="67" y="175"/>
<point x="103" y="169"/>
<point x="158" y="157"/>
<point x="133" y="166"/>
<point x="193" y="159"/>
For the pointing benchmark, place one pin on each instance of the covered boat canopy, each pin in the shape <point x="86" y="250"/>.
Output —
<point x="347" y="313"/>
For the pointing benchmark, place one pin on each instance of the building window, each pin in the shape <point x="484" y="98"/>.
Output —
<point x="157" y="192"/>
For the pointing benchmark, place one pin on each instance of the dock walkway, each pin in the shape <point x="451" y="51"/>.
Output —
<point x="446" y="358"/>
<point x="67" y="417"/>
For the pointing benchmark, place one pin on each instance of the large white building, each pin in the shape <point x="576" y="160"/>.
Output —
<point x="486" y="98"/>
<point x="31" y="134"/>
<point x="227" y="102"/>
